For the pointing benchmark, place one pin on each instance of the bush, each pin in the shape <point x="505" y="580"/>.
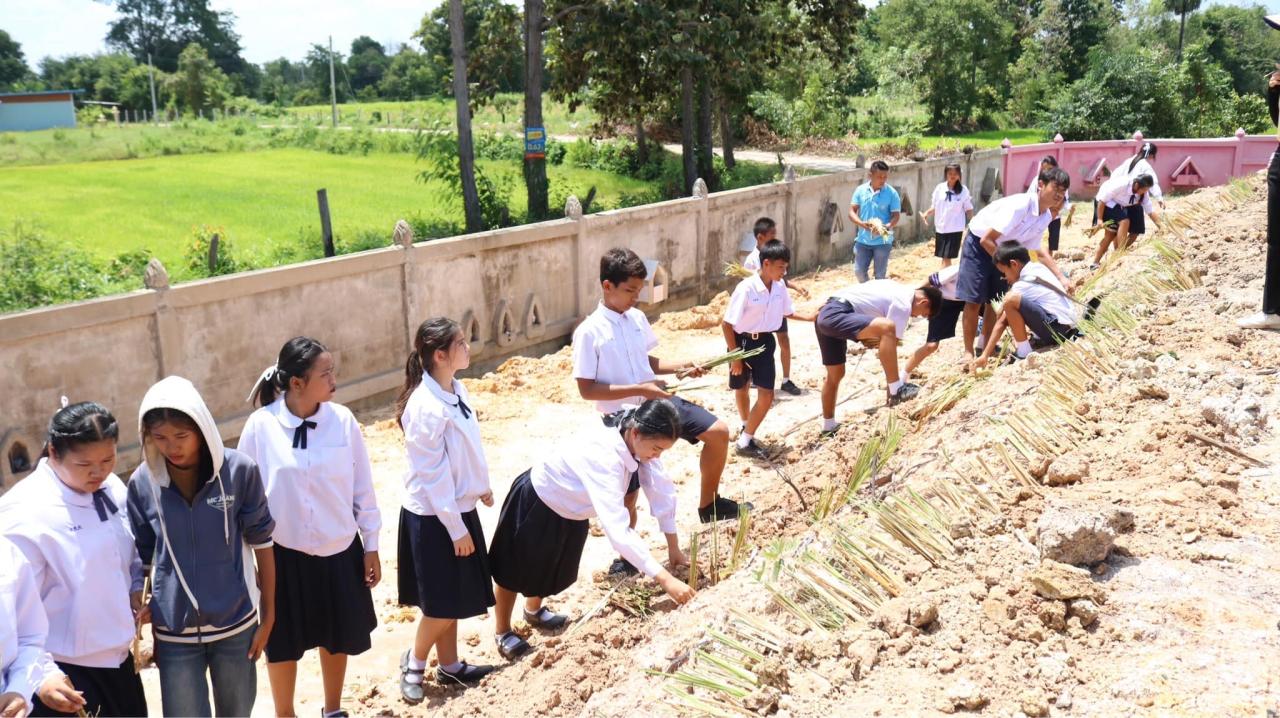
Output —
<point x="196" y="254"/>
<point x="1120" y="93"/>
<point x="36" y="271"/>
<point x="426" y="228"/>
<point x="129" y="268"/>
<point x="438" y="148"/>
<point x="499" y="146"/>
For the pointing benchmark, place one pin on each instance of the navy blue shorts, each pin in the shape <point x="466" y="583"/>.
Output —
<point x="1114" y="215"/>
<point x="943" y="325"/>
<point x="1055" y="232"/>
<point x="782" y="329"/>
<point x="837" y="325"/>
<point x="947" y="244"/>
<point x="1043" y="325"/>
<point x="694" y="420"/>
<point x="759" y="369"/>
<point x="1134" y="213"/>
<point x="978" y="281"/>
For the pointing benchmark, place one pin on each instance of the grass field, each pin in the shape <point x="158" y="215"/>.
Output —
<point x="981" y="140"/>
<point x="265" y="200"/>
<point x="506" y="115"/>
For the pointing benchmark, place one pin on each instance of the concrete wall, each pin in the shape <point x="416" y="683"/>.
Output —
<point x="33" y="114"/>
<point x="220" y="333"/>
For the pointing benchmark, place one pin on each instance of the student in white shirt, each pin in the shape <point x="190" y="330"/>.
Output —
<point x="1036" y="307"/>
<point x="1123" y="202"/>
<point x="953" y="207"/>
<point x="613" y="368"/>
<point x="319" y="484"/>
<point x="542" y="529"/>
<point x="444" y="567"/>
<point x="943" y="324"/>
<point x="68" y="519"/>
<point x="201" y="523"/>
<point x="1140" y="164"/>
<point x="26" y="668"/>
<point x="875" y="313"/>
<point x="1055" y="226"/>
<point x="1020" y="217"/>
<point x="758" y="306"/>
<point x="766" y="230"/>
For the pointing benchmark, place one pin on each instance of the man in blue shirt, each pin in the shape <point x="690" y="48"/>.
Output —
<point x="874" y="210"/>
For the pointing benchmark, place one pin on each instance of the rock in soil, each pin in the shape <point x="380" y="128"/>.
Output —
<point x="1078" y="536"/>
<point x="1061" y="582"/>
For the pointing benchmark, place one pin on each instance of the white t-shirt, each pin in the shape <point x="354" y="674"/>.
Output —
<point x="949" y="208"/>
<point x="945" y="280"/>
<point x="1017" y="217"/>
<point x="755" y="308"/>
<point x="614" y="348"/>
<point x="882" y="298"/>
<point x="1055" y="304"/>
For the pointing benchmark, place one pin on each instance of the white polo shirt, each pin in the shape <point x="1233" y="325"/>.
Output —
<point x="949" y="208"/>
<point x="883" y="298"/>
<point x="319" y="496"/>
<point x="1059" y="306"/>
<point x="589" y="477"/>
<point x="755" y="308"/>
<point x="1017" y="217"/>
<point x="613" y="348"/>
<point x="752" y="262"/>
<point x="84" y="566"/>
<point x="448" y="472"/>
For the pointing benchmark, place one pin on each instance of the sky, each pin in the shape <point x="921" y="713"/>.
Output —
<point x="268" y="28"/>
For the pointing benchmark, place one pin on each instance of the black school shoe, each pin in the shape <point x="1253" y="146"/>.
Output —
<point x="722" y="509"/>
<point x="752" y="450"/>
<point x="622" y="567"/>
<point x="468" y="675"/>
<point x="791" y="388"/>
<point x="906" y="392"/>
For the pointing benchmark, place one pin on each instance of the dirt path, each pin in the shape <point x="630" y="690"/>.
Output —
<point x="1188" y="626"/>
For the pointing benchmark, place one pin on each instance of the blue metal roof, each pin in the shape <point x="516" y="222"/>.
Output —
<point x="39" y="93"/>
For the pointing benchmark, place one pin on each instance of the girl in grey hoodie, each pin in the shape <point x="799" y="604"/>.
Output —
<point x="200" y="519"/>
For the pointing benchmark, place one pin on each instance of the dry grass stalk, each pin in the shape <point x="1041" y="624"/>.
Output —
<point x="737" y="271"/>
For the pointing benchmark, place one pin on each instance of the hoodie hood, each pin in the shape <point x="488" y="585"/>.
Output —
<point x="177" y="393"/>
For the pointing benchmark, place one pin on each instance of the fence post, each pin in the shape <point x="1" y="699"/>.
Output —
<point x="1237" y="162"/>
<point x="403" y="236"/>
<point x="168" y="330"/>
<point x="326" y="229"/>
<point x="700" y="256"/>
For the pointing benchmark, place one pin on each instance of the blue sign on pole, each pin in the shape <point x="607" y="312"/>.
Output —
<point x="535" y="143"/>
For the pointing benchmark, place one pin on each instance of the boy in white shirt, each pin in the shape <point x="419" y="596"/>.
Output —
<point x="1037" y="306"/>
<point x="1055" y="227"/>
<point x="1020" y="217"/>
<point x="766" y="230"/>
<point x="613" y="368"/>
<point x="759" y="305"/>
<point x="872" y="312"/>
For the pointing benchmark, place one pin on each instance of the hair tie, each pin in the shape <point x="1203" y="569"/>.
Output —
<point x="63" y="402"/>
<point x="267" y="375"/>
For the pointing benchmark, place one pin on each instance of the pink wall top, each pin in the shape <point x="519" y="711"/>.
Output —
<point x="1183" y="164"/>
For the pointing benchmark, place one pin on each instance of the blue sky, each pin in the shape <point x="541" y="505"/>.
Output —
<point x="268" y="28"/>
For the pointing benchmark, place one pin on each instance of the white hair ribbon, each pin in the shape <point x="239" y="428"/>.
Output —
<point x="64" y="402"/>
<point x="268" y="374"/>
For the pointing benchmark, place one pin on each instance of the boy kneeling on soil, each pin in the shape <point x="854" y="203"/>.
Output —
<point x="875" y="312"/>
<point x="1037" y="305"/>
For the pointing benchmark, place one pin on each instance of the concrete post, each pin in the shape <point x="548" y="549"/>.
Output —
<point x="700" y="252"/>
<point x="168" y="335"/>
<point x="790" y="225"/>
<point x="403" y="235"/>
<point x="573" y="211"/>
<point x="1237" y="160"/>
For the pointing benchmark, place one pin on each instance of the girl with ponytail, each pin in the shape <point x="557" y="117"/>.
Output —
<point x="443" y="564"/>
<point x="319" y="485"/>
<point x="543" y="525"/>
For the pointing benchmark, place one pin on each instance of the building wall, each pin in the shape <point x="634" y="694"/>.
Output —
<point x="44" y="114"/>
<point x="221" y="332"/>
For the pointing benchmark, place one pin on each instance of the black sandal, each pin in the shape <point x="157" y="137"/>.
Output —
<point x="511" y="646"/>
<point x="546" y="618"/>
<point x="468" y="675"/>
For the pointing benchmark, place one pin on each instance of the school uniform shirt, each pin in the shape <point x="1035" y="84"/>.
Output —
<point x="447" y="470"/>
<point x="755" y="308"/>
<point x="1034" y="188"/>
<point x="1017" y="217"/>
<point x="1118" y="192"/>
<point x="875" y="204"/>
<point x="614" y="348"/>
<point x="881" y="298"/>
<point x="1055" y="303"/>
<point x="1143" y="167"/>
<point x="752" y="262"/>
<point x="319" y="486"/>
<point x="24" y="664"/>
<point x="949" y="208"/>
<point x="591" y="478"/>
<point x="85" y="566"/>
<point x="945" y="280"/>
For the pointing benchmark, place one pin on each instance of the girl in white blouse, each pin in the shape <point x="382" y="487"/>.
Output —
<point x="319" y="485"/>
<point x="26" y="669"/>
<point x="443" y="565"/>
<point x="68" y="520"/>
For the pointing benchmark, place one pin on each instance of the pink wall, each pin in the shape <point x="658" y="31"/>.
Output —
<point x="1215" y="161"/>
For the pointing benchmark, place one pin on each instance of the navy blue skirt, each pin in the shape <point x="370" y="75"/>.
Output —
<point x="433" y="578"/>
<point x="535" y="551"/>
<point x="321" y="602"/>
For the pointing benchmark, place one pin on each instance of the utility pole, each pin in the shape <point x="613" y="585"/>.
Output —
<point x="333" y="90"/>
<point x="152" y="75"/>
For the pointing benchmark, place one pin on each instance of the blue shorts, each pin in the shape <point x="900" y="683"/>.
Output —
<point x="837" y="325"/>
<point x="978" y="281"/>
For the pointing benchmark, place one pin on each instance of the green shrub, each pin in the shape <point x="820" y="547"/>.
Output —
<point x="36" y="271"/>
<point x="196" y="254"/>
<point x="425" y="228"/>
<point x="129" y="268"/>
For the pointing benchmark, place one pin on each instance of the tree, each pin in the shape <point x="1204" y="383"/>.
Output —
<point x="1182" y="8"/>
<point x="164" y="28"/>
<point x="1237" y="39"/>
<point x="13" y="65"/>
<point x="461" y="101"/>
<point x="100" y="76"/>
<point x="198" y="85"/>
<point x="1120" y="93"/>
<point x="493" y="35"/>
<point x="535" y="168"/>
<point x="366" y="65"/>
<point x="317" y="73"/>
<point x="409" y="76"/>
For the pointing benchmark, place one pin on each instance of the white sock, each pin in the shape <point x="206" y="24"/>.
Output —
<point x="786" y="379"/>
<point x="829" y="424"/>
<point x="417" y="665"/>
<point x="744" y="439"/>
<point x="980" y="342"/>
<point x="453" y="667"/>
<point x="895" y="386"/>
<point x="1024" y="348"/>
